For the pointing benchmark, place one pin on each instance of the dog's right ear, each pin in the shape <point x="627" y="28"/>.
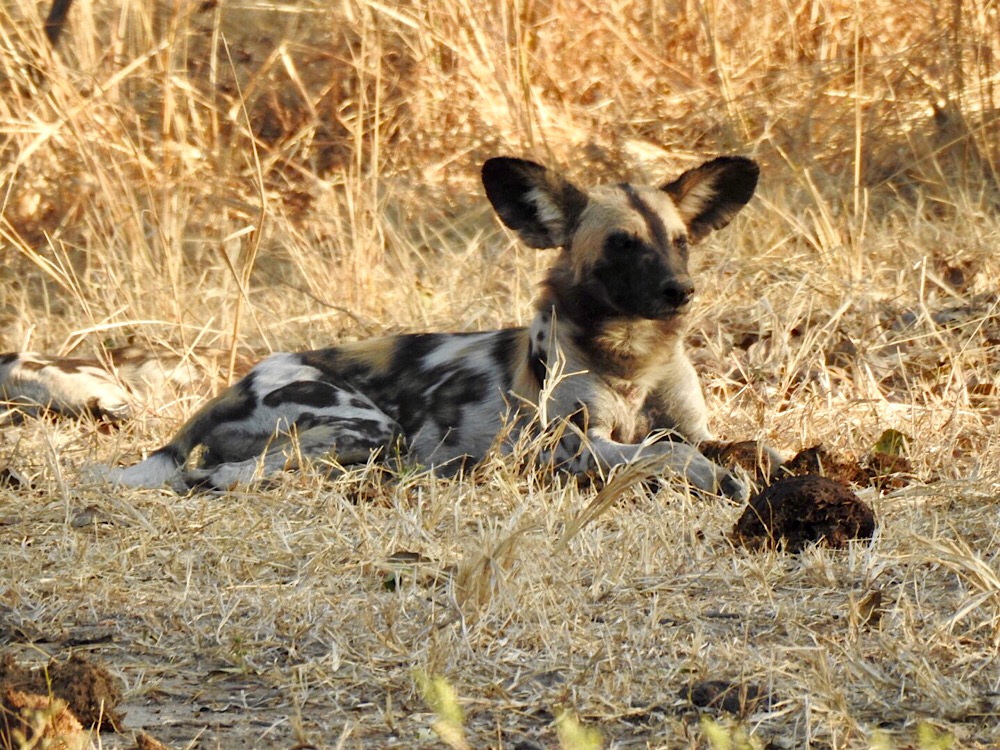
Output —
<point x="542" y="207"/>
<point x="709" y="196"/>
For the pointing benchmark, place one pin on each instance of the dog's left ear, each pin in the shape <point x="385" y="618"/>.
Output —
<point x="538" y="204"/>
<point x="709" y="196"/>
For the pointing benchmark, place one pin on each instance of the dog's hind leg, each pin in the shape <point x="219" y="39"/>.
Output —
<point x="255" y="418"/>
<point x="346" y="440"/>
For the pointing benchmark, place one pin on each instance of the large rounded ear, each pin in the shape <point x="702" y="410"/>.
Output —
<point x="709" y="196"/>
<point x="541" y="206"/>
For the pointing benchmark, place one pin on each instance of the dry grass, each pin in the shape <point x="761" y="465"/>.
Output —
<point x="255" y="175"/>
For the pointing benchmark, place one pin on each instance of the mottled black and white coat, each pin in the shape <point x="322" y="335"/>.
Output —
<point x="603" y="360"/>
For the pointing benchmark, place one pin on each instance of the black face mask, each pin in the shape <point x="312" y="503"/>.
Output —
<point x="639" y="280"/>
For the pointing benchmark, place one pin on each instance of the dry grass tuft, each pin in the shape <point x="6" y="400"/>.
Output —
<point x="244" y="175"/>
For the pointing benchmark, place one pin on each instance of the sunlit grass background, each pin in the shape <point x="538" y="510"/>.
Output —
<point x="254" y="176"/>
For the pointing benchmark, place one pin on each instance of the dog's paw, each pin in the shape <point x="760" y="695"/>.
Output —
<point x="113" y="409"/>
<point x="219" y="478"/>
<point x="729" y="485"/>
<point x="705" y="475"/>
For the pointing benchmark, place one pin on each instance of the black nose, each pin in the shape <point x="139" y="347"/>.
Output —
<point x="677" y="292"/>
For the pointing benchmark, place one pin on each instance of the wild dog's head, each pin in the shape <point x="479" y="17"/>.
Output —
<point x="625" y="247"/>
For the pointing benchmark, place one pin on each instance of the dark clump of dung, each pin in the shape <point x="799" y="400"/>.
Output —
<point x="877" y="469"/>
<point x="797" y="511"/>
<point x="13" y="480"/>
<point x="818" y="460"/>
<point x="763" y="466"/>
<point x="735" y="698"/>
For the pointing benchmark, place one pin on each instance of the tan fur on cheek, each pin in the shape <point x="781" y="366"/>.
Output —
<point x="523" y="382"/>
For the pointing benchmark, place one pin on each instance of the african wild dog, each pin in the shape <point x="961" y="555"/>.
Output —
<point x="105" y="389"/>
<point x="610" y="320"/>
<point x="31" y="382"/>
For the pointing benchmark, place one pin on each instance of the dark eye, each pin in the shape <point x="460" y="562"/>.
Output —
<point x="621" y="242"/>
<point x="681" y="243"/>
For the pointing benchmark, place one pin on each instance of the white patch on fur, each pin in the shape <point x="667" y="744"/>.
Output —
<point x="462" y="350"/>
<point x="697" y="199"/>
<point x="279" y="370"/>
<point x="549" y="214"/>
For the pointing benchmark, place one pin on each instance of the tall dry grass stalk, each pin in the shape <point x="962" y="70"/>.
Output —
<point x="248" y="175"/>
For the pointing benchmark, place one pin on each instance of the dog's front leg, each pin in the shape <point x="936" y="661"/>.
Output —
<point x="598" y="451"/>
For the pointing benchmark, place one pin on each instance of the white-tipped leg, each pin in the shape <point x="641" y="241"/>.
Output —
<point x="704" y="474"/>
<point x="156" y="471"/>
<point x="682" y="459"/>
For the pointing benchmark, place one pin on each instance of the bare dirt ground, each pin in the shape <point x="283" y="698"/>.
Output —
<point x="246" y="177"/>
